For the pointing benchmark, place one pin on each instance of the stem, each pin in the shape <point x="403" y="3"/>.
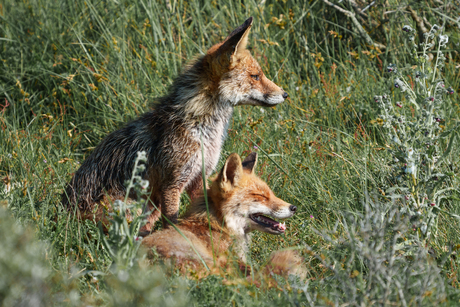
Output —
<point x="436" y="65"/>
<point x="415" y="191"/>
<point x="409" y="88"/>
<point x="424" y="55"/>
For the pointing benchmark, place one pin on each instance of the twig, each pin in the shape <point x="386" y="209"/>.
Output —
<point x="348" y="13"/>
<point x="371" y="4"/>
<point x="358" y="26"/>
<point x="418" y="23"/>
<point x="427" y="22"/>
<point x="395" y="11"/>
<point x="356" y="7"/>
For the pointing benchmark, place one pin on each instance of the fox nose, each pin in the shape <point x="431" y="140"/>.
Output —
<point x="293" y="208"/>
<point x="285" y="95"/>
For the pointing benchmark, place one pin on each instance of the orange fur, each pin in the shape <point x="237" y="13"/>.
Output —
<point x="236" y="198"/>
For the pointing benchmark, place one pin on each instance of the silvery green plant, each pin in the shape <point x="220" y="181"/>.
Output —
<point x="415" y="140"/>
<point x="370" y="266"/>
<point x="123" y="241"/>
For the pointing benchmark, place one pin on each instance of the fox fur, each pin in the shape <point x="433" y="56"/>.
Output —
<point x="239" y="202"/>
<point x="199" y="105"/>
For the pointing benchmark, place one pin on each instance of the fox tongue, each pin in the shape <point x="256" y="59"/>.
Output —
<point x="281" y="226"/>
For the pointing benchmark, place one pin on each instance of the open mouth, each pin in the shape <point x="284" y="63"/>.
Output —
<point x="267" y="222"/>
<point x="262" y="103"/>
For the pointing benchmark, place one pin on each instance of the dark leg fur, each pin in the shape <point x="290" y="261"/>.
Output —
<point x="170" y="205"/>
<point x="154" y="206"/>
<point x="195" y="188"/>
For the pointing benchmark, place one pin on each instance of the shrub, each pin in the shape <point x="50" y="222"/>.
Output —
<point x="415" y="141"/>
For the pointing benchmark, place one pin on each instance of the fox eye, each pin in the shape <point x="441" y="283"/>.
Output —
<point x="260" y="196"/>
<point x="255" y="77"/>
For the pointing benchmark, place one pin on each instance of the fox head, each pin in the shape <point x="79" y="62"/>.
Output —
<point x="244" y="201"/>
<point x="237" y="75"/>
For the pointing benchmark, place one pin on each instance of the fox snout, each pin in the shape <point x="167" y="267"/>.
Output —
<point x="264" y="92"/>
<point x="264" y="209"/>
<point x="282" y="209"/>
<point x="262" y="216"/>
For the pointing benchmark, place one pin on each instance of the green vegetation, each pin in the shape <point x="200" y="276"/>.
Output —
<point x="73" y="71"/>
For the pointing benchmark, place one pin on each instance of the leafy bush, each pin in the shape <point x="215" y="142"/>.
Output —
<point x="23" y="265"/>
<point x="371" y="264"/>
<point x="415" y="138"/>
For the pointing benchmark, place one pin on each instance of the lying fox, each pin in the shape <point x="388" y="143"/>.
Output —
<point x="198" y="108"/>
<point x="239" y="202"/>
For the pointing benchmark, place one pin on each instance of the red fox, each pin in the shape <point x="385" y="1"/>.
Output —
<point x="198" y="107"/>
<point x="239" y="202"/>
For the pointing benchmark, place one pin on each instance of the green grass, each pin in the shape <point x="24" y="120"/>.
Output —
<point x="73" y="71"/>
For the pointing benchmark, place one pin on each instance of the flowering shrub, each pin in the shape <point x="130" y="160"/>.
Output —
<point x="370" y="266"/>
<point x="415" y="141"/>
<point x="123" y="241"/>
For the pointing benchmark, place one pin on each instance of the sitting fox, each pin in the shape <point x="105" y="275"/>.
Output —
<point x="238" y="203"/>
<point x="198" y="107"/>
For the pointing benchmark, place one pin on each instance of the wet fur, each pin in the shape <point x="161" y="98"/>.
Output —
<point x="199" y="105"/>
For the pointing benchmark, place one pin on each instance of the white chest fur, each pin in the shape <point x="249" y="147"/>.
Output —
<point x="211" y="135"/>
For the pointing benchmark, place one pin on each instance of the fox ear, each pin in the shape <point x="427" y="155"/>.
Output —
<point x="232" y="170"/>
<point x="237" y="40"/>
<point x="250" y="162"/>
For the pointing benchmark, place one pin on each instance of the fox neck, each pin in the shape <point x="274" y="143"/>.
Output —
<point x="199" y="211"/>
<point x="233" y="227"/>
<point x="242" y="243"/>
<point x="196" y="94"/>
<point x="236" y="225"/>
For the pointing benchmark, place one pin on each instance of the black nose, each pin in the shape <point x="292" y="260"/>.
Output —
<point x="285" y="95"/>
<point x="293" y="208"/>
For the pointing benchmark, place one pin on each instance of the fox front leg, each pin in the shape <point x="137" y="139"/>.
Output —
<point x="153" y="205"/>
<point x="195" y="188"/>
<point x="170" y="201"/>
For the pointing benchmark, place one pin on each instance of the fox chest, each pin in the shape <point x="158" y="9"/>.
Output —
<point x="211" y="139"/>
<point x="212" y="147"/>
<point x="179" y="156"/>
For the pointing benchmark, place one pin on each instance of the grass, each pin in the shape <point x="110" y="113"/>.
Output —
<point x="73" y="71"/>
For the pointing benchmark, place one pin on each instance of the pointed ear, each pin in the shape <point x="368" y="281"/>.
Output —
<point x="232" y="170"/>
<point x="250" y="162"/>
<point x="237" y="40"/>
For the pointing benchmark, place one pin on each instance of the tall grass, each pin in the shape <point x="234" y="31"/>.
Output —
<point x="73" y="71"/>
